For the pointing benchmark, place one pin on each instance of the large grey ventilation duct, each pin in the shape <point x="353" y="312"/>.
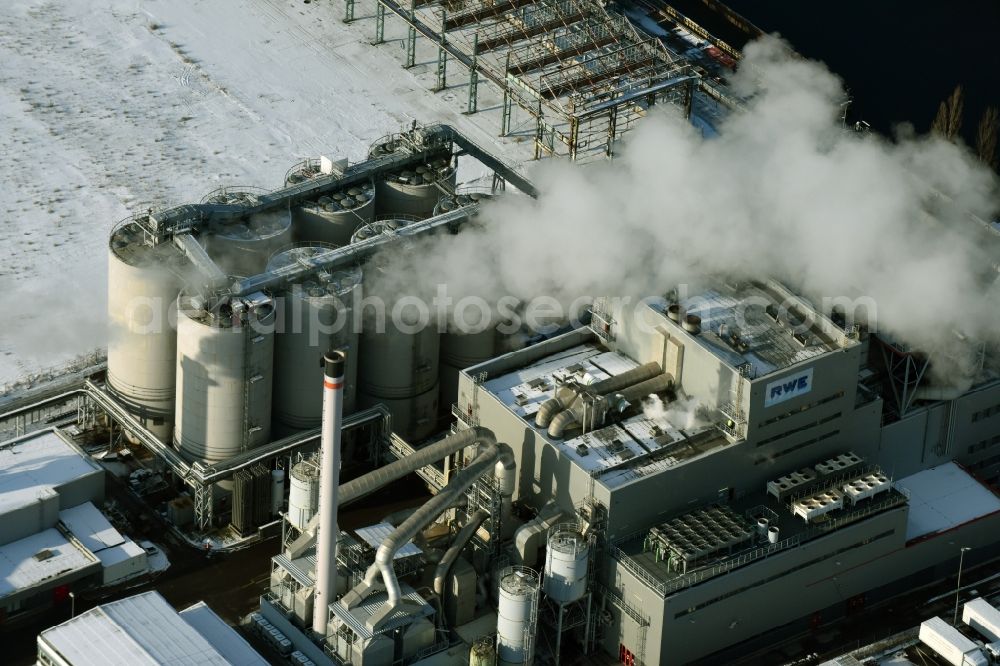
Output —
<point x="590" y="405"/>
<point x="383" y="476"/>
<point x="458" y="545"/>
<point x="405" y="533"/>
<point x="567" y="394"/>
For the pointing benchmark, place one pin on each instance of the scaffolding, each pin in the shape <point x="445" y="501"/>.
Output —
<point x="581" y="72"/>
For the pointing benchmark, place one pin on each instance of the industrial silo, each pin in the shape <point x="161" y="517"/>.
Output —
<point x="517" y="614"/>
<point x="242" y="245"/>
<point x="566" y="559"/>
<point x="413" y="190"/>
<point x="142" y="341"/>
<point x="463" y="196"/>
<point x="316" y="316"/>
<point x="399" y="358"/>
<point x="333" y="218"/>
<point x="224" y="360"/>
<point x="303" y="493"/>
<point x="461" y="350"/>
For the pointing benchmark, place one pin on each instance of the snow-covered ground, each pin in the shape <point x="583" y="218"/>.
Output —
<point x="110" y="106"/>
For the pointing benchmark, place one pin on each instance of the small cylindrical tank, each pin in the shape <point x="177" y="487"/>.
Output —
<point x="224" y="359"/>
<point x="414" y="190"/>
<point x="303" y="493"/>
<point x="333" y="218"/>
<point x="566" y="560"/>
<point x="143" y="285"/>
<point x="277" y="490"/>
<point x="482" y="653"/>
<point x="517" y="612"/>
<point x="316" y="316"/>
<point x="242" y="246"/>
<point x="399" y="359"/>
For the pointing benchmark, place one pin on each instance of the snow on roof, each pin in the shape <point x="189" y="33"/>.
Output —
<point x="38" y="558"/>
<point x="944" y="497"/>
<point x="142" y="629"/>
<point x="223" y="638"/>
<point x="119" y="553"/>
<point x="90" y="526"/>
<point x="44" y="460"/>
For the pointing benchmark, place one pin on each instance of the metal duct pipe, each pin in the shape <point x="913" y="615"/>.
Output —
<point x="648" y="387"/>
<point x="403" y="534"/>
<point x="562" y="420"/>
<point x="591" y="411"/>
<point x="329" y="481"/>
<point x="627" y="378"/>
<point x="566" y="397"/>
<point x="457" y="546"/>
<point x="381" y="477"/>
<point x="528" y="535"/>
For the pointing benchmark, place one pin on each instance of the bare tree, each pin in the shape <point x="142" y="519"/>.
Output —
<point x="948" y="121"/>
<point x="986" y="136"/>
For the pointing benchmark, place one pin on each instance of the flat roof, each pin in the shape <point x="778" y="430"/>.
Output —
<point x="944" y="497"/>
<point x="763" y="320"/>
<point x="374" y="535"/>
<point x="90" y="526"/>
<point x="223" y="638"/>
<point x="615" y="454"/>
<point x="119" y="553"/>
<point x="141" y="629"/>
<point x="38" y="558"/>
<point x="42" y="459"/>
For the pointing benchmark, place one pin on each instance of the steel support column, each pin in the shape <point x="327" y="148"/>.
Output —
<point x="379" y="24"/>
<point x="442" y="70"/>
<point x="474" y="77"/>
<point x="411" y="39"/>
<point x="612" y="131"/>
<point x="348" y="11"/>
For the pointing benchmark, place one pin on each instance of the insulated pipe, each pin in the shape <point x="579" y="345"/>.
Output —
<point x="648" y="387"/>
<point x="627" y="378"/>
<point x="329" y="479"/>
<point x="381" y="477"/>
<point x="405" y="533"/>
<point x="457" y="546"/>
<point x="553" y="407"/>
<point x="562" y="421"/>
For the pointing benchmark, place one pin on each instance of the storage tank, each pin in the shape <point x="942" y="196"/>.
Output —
<point x="517" y="613"/>
<point x="334" y="218"/>
<point x="242" y="246"/>
<point x="316" y="316"/>
<point x="277" y="490"/>
<point x="303" y="493"/>
<point x="224" y="359"/>
<point x="482" y="653"/>
<point x="460" y="351"/>
<point x="414" y="190"/>
<point x="566" y="559"/>
<point x="398" y="366"/>
<point x="142" y="341"/>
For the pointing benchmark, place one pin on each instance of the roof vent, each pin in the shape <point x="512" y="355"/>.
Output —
<point x="692" y="324"/>
<point x="44" y="554"/>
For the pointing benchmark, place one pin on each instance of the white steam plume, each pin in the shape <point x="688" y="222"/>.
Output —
<point x="682" y="414"/>
<point x="783" y="191"/>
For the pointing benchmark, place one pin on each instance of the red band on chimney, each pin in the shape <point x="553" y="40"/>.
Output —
<point x="333" y="385"/>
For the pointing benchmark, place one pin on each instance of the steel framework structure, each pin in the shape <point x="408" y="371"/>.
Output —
<point x="582" y="73"/>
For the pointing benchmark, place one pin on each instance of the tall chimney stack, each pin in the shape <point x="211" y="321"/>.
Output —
<point x="329" y="485"/>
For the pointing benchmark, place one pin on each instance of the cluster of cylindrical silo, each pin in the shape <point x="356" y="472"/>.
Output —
<point x="218" y="376"/>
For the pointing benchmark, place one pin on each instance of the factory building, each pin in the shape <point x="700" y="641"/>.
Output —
<point x="144" y="629"/>
<point x="53" y="539"/>
<point x="639" y="486"/>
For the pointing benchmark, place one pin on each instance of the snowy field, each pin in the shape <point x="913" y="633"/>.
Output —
<point x="111" y="106"/>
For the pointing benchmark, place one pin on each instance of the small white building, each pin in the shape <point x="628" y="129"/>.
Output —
<point x="53" y="538"/>
<point x="145" y="629"/>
